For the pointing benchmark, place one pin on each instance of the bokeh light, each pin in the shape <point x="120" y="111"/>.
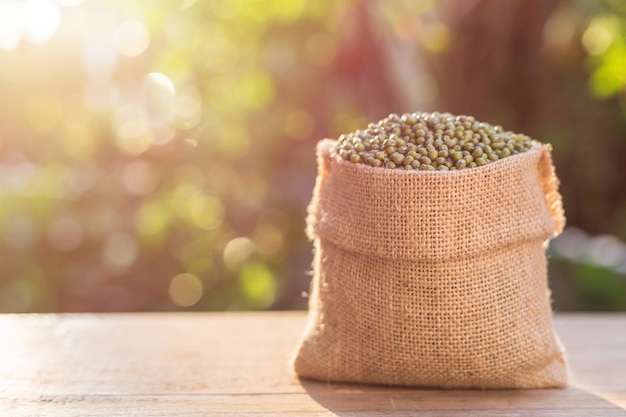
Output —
<point x="11" y="18"/>
<point x="157" y="92"/>
<point x="120" y="250"/>
<point x="131" y="38"/>
<point x="258" y="285"/>
<point x="33" y="21"/>
<point x="41" y="20"/>
<point x="600" y="34"/>
<point x="436" y="37"/>
<point x="237" y="251"/>
<point x="161" y="155"/>
<point x="560" y="29"/>
<point x="185" y="290"/>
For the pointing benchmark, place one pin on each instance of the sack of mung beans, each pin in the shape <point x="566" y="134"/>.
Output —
<point x="429" y="233"/>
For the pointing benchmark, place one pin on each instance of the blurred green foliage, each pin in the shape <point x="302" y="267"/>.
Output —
<point x="159" y="155"/>
<point x="587" y="287"/>
<point x="604" y="39"/>
<point x="124" y="168"/>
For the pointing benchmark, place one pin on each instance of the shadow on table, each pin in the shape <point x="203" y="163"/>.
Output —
<point x="362" y="400"/>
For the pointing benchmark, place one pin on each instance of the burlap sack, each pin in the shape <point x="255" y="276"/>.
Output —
<point x="433" y="279"/>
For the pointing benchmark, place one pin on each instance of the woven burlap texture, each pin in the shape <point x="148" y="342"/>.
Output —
<point x="433" y="279"/>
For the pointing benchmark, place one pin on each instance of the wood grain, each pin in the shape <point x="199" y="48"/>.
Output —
<point x="226" y="364"/>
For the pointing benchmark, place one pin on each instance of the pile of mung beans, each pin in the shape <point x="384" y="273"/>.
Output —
<point x="430" y="142"/>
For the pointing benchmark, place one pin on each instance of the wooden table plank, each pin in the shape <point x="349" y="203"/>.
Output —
<point x="197" y="364"/>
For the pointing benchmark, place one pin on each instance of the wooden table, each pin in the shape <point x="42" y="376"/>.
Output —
<point x="214" y="364"/>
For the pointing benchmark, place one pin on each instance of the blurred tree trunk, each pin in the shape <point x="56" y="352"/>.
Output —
<point x="495" y="64"/>
<point x="500" y="68"/>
